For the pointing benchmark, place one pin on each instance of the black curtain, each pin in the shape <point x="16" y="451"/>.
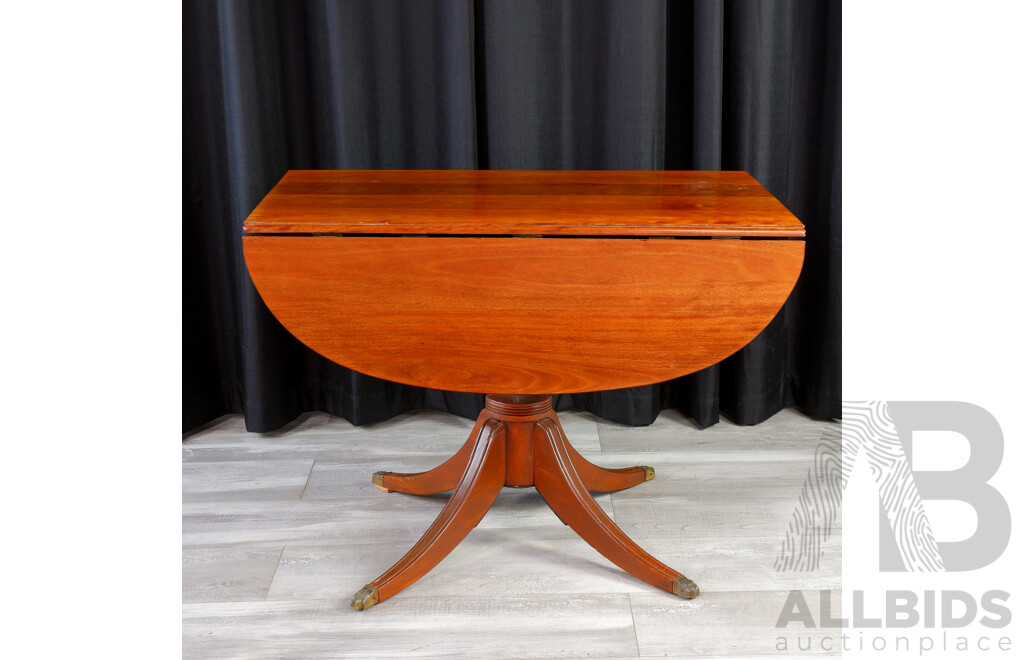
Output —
<point x="502" y="84"/>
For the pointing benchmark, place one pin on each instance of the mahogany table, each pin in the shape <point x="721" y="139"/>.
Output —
<point x="522" y="284"/>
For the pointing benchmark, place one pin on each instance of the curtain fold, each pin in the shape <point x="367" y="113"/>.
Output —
<point x="502" y="85"/>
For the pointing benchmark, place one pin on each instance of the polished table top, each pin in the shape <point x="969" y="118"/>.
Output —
<point x="523" y="282"/>
<point x="591" y="203"/>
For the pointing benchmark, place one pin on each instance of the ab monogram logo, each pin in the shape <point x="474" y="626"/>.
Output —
<point x="878" y="435"/>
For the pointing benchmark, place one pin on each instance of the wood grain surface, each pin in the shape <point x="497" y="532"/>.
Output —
<point x="477" y="489"/>
<point x="628" y="203"/>
<point x="520" y="315"/>
<point x="566" y="493"/>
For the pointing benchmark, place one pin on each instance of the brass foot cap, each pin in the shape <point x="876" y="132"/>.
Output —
<point x="649" y="470"/>
<point x="685" y="587"/>
<point x="365" y="598"/>
<point x="378" y="481"/>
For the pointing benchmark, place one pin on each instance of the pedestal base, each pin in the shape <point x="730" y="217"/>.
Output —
<point x="518" y="442"/>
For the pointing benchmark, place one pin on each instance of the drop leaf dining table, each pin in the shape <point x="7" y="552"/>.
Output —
<point x="522" y="284"/>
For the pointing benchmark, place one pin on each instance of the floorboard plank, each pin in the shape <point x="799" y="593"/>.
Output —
<point x="227" y="574"/>
<point x="422" y="627"/>
<point x="227" y="481"/>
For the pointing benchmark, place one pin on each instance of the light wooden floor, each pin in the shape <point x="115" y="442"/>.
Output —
<point x="279" y="530"/>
